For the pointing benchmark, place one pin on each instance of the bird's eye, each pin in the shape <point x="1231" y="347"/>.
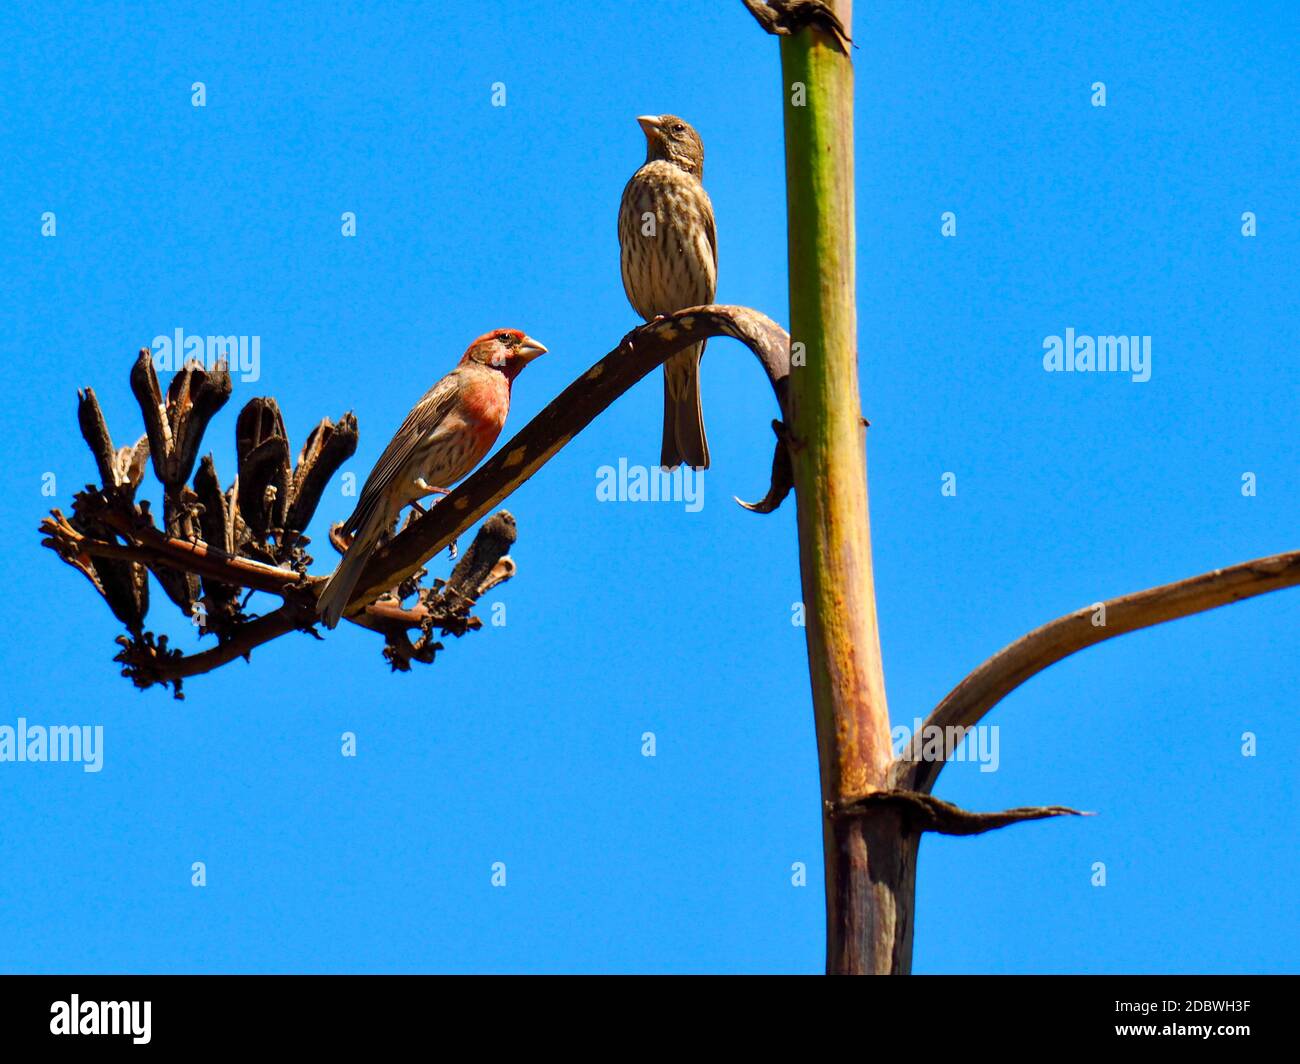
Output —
<point x="679" y="128"/>
<point x="503" y="338"/>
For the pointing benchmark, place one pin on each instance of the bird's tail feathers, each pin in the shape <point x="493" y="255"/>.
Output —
<point x="338" y="589"/>
<point x="684" y="440"/>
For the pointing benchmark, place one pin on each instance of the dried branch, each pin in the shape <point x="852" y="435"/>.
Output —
<point x="193" y="556"/>
<point x="1001" y="674"/>
<point x="146" y="661"/>
<point x="250" y="537"/>
<point x="641" y="351"/>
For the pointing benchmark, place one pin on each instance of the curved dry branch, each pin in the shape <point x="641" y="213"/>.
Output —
<point x="1001" y="674"/>
<point x="641" y="351"/>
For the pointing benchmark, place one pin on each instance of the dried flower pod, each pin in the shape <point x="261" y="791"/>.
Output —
<point x="216" y="522"/>
<point x="175" y="427"/>
<point x="265" y="478"/>
<point x="328" y="446"/>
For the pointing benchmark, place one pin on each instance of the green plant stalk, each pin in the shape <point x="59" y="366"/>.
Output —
<point x="869" y="861"/>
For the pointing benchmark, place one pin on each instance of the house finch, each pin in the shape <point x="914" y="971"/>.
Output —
<point x="444" y="436"/>
<point x="670" y="261"/>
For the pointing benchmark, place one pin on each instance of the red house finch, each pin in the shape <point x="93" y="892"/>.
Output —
<point x="445" y="435"/>
<point x="670" y="261"/>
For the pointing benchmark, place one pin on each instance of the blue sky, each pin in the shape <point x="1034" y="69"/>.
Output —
<point x="522" y="744"/>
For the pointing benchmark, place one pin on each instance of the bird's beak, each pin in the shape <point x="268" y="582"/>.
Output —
<point x="650" y="124"/>
<point x="529" y="349"/>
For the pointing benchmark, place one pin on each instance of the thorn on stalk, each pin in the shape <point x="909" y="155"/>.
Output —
<point x="782" y="479"/>
<point x="924" y="812"/>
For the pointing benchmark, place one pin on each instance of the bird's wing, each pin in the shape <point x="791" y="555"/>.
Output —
<point x="422" y="419"/>
<point x="627" y="223"/>
<point x="711" y="229"/>
<point x="624" y="226"/>
<point x="699" y="242"/>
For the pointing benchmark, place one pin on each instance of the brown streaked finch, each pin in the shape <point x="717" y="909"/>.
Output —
<point x="669" y="255"/>
<point x="445" y="435"/>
